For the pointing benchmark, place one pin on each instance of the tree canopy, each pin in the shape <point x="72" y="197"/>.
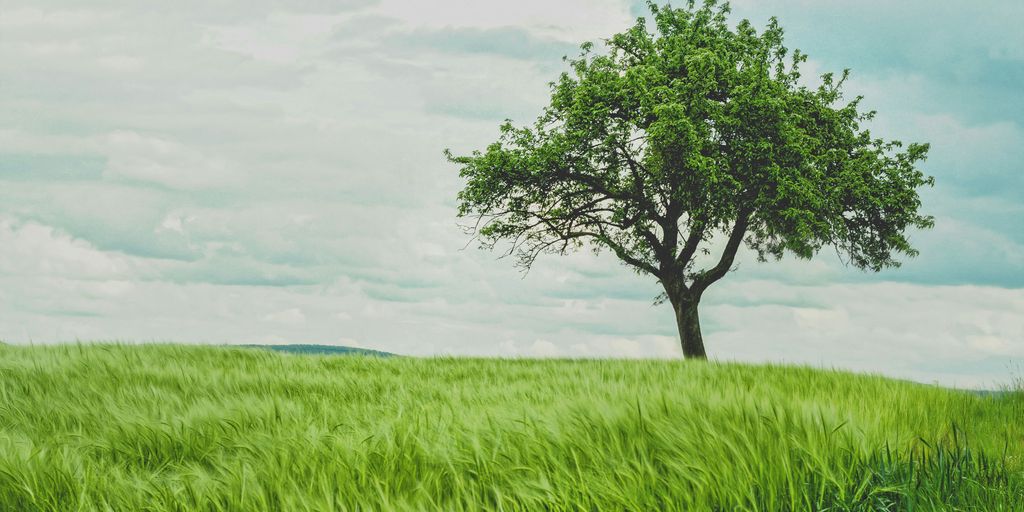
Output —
<point x="692" y="131"/>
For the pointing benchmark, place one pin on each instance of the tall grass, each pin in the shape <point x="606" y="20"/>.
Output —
<point x="163" y="427"/>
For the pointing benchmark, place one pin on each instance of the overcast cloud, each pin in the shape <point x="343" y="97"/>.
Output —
<point x="271" y="171"/>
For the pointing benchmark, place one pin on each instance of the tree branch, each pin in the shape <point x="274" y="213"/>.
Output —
<point x="739" y="230"/>
<point x="693" y="240"/>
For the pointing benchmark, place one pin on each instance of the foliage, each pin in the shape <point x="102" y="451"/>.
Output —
<point x="689" y="132"/>
<point x="161" y="427"/>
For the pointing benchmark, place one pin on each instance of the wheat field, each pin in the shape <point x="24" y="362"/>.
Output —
<point x="172" y="427"/>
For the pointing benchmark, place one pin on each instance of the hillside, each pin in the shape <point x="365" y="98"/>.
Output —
<point x="164" y="427"/>
<point x="324" y="350"/>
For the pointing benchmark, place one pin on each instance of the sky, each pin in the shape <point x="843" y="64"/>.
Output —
<point x="271" y="171"/>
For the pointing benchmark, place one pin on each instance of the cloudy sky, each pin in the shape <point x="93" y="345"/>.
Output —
<point x="271" y="171"/>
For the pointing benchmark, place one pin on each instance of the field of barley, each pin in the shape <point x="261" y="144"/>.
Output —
<point x="169" y="427"/>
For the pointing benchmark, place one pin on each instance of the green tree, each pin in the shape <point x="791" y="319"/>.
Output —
<point x="694" y="139"/>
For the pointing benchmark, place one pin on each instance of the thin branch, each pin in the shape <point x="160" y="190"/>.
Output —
<point x="739" y="230"/>
<point x="693" y="241"/>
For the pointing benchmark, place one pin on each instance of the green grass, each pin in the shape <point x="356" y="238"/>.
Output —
<point x="163" y="427"/>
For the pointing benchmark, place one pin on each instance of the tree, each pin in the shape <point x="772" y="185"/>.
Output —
<point x="691" y="138"/>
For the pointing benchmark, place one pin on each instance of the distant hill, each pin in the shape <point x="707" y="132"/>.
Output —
<point x="331" y="350"/>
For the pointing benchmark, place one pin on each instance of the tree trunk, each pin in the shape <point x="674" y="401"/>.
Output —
<point x="689" y="327"/>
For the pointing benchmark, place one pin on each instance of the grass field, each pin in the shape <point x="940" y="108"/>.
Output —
<point x="163" y="427"/>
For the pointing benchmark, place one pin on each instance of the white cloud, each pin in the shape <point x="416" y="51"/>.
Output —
<point x="995" y="345"/>
<point x="897" y="329"/>
<point x="543" y="348"/>
<point x="349" y="342"/>
<point x="33" y="18"/>
<point x="34" y="249"/>
<point x="175" y="223"/>
<point x="120" y="62"/>
<point x="288" y="316"/>
<point x="147" y="158"/>
<point x="570" y="20"/>
<point x="279" y="38"/>
<point x="821" y="320"/>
